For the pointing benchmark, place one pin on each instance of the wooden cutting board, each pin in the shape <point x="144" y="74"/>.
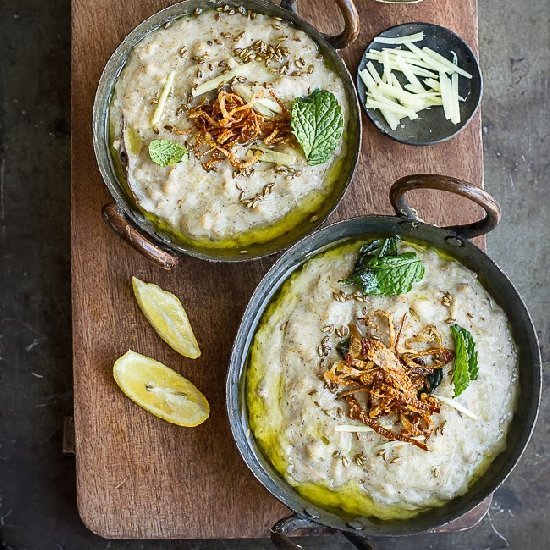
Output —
<point x="140" y="477"/>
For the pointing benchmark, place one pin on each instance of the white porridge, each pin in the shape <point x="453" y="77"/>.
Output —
<point x="268" y="64"/>
<point x="296" y="416"/>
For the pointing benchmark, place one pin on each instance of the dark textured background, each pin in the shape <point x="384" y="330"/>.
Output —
<point x="37" y="483"/>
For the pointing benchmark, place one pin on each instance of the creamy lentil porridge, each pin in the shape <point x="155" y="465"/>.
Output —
<point x="313" y="400"/>
<point x="251" y="59"/>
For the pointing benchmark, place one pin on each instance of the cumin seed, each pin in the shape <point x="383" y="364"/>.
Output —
<point x="359" y="459"/>
<point x="447" y="299"/>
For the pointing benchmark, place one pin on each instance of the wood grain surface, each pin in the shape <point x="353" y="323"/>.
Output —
<point x="140" y="477"/>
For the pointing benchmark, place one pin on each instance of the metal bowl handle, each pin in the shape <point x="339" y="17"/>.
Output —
<point x="401" y="205"/>
<point x="124" y="228"/>
<point x="351" y="22"/>
<point x="281" y="531"/>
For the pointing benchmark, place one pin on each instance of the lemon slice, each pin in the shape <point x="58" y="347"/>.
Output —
<point x="160" y="390"/>
<point x="167" y="316"/>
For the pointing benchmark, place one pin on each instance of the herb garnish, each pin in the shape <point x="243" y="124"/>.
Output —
<point x="343" y="346"/>
<point x="434" y="379"/>
<point x="165" y="152"/>
<point x="377" y="249"/>
<point x="318" y="123"/>
<point x="466" y="361"/>
<point x="380" y="270"/>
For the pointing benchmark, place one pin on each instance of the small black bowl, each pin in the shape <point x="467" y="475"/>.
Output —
<point x="431" y="126"/>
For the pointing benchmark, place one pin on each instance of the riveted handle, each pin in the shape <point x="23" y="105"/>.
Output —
<point x="124" y="228"/>
<point x="299" y="525"/>
<point x="398" y="199"/>
<point x="351" y="22"/>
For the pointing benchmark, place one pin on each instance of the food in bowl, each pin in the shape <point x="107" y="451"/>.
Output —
<point x="227" y="127"/>
<point x="382" y="379"/>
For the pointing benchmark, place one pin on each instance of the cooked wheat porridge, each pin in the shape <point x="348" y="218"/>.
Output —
<point x="209" y="119"/>
<point x="382" y="379"/>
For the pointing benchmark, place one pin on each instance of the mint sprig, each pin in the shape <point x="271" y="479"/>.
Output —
<point x="318" y="124"/>
<point x="380" y="270"/>
<point x="165" y="152"/>
<point x="466" y="359"/>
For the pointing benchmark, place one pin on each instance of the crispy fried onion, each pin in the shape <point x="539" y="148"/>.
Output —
<point x="377" y="380"/>
<point x="230" y="121"/>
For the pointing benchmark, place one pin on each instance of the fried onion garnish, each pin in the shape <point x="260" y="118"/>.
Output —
<point x="377" y="380"/>
<point x="356" y="412"/>
<point x="426" y="335"/>
<point x="230" y="121"/>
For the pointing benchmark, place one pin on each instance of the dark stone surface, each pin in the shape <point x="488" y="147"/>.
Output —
<point x="37" y="483"/>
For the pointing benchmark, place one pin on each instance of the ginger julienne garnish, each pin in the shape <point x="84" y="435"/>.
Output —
<point x="230" y="121"/>
<point x="377" y="380"/>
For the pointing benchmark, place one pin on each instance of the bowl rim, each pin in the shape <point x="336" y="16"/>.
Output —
<point x="100" y="128"/>
<point x="361" y="89"/>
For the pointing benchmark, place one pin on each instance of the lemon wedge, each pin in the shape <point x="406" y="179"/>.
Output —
<point x="167" y="316"/>
<point x="160" y="390"/>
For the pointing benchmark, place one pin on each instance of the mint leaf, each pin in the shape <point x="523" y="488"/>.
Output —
<point x="396" y="274"/>
<point x="165" y="152"/>
<point x="380" y="270"/>
<point x="473" y="365"/>
<point x="318" y="124"/>
<point x="381" y="247"/>
<point x="365" y="279"/>
<point x="466" y="360"/>
<point x="377" y="248"/>
<point x="388" y="275"/>
<point x="461" y="378"/>
<point x="342" y="347"/>
<point x="434" y="379"/>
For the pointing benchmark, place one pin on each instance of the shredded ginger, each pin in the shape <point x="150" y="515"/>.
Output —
<point x="431" y="80"/>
